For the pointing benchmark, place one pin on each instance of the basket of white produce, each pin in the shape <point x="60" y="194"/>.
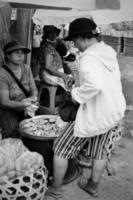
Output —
<point x="23" y="175"/>
<point x="31" y="186"/>
<point x="42" y="127"/>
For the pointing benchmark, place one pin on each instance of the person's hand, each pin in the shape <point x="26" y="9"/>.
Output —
<point x="73" y="101"/>
<point x="30" y="106"/>
<point x="70" y="82"/>
<point x="34" y="100"/>
<point x="25" y="103"/>
<point x="65" y="77"/>
<point x="31" y="110"/>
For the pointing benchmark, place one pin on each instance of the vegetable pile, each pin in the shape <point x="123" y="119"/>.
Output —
<point x="47" y="126"/>
<point x="16" y="159"/>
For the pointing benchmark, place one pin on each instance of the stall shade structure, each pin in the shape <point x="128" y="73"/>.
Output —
<point x="128" y="46"/>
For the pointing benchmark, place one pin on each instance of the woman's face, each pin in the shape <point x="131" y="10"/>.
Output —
<point x="79" y="43"/>
<point x="16" y="57"/>
<point x="52" y="36"/>
<point x="53" y="39"/>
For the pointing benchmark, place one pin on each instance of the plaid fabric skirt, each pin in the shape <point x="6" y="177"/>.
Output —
<point x="98" y="147"/>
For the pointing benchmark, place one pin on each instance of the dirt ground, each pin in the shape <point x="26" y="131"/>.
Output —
<point x="116" y="187"/>
<point x="120" y="185"/>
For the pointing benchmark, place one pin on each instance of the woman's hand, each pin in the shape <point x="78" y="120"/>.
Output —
<point x="73" y="101"/>
<point x="25" y="104"/>
<point x="65" y="77"/>
<point x="34" y="100"/>
<point x="70" y="82"/>
<point x="30" y="106"/>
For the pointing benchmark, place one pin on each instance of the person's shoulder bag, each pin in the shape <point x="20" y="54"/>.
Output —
<point x="68" y="110"/>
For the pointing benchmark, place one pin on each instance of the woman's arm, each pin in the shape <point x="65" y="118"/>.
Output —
<point x="5" y="101"/>
<point x="52" y="71"/>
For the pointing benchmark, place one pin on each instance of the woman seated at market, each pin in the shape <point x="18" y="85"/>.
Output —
<point x="12" y="97"/>
<point x="51" y="53"/>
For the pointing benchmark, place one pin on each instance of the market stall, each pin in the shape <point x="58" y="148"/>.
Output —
<point x="32" y="130"/>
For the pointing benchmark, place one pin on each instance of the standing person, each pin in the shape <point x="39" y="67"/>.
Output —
<point x="102" y="106"/>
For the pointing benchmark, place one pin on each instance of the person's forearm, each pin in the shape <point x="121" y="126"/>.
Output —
<point x="55" y="72"/>
<point x="85" y="92"/>
<point x="34" y="92"/>
<point x="16" y="105"/>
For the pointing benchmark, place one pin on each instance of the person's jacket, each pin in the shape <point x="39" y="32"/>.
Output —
<point x="102" y="104"/>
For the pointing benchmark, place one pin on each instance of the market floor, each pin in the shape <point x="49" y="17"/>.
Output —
<point x="116" y="187"/>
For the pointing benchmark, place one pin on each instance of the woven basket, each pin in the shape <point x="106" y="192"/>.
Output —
<point x="31" y="186"/>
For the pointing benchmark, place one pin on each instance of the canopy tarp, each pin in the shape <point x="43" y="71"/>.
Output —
<point x="101" y="16"/>
<point x="46" y="17"/>
<point x="63" y="11"/>
<point x="2" y="4"/>
<point x="81" y="4"/>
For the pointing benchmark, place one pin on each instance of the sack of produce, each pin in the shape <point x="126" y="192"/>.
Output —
<point x="22" y="173"/>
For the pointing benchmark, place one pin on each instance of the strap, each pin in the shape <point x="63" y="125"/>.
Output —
<point x="16" y="80"/>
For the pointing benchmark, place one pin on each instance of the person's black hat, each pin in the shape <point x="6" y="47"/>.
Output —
<point x="79" y="26"/>
<point x="50" y="29"/>
<point x="13" y="46"/>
